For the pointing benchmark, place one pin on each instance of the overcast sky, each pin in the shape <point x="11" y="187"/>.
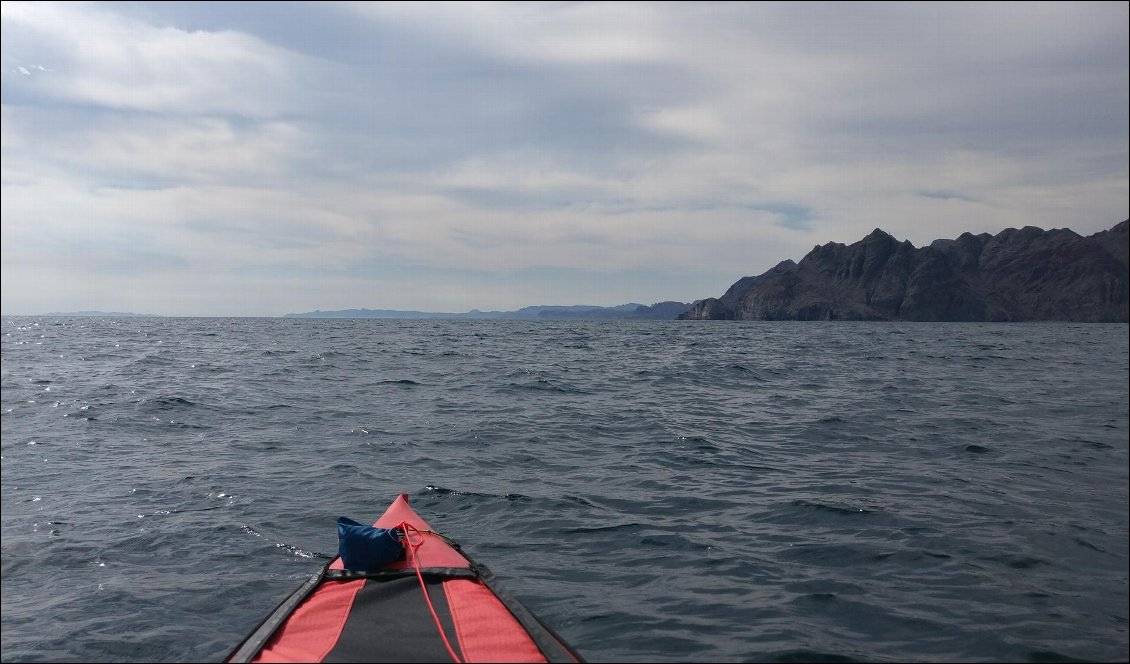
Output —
<point x="265" y="158"/>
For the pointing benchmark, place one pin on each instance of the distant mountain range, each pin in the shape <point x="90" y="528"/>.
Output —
<point x="633" y="311"/>
<point x="109" y="314"/>
<point x="1017" y="275"/>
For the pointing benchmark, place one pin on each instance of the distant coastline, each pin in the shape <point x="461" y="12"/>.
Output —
<point x="630" y="311"/>
<point x="99" y="314"/>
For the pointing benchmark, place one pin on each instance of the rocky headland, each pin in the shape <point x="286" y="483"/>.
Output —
<point x="1017" y="275"/>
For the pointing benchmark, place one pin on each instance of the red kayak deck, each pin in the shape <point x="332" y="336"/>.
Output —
<point x="386" y="615"/>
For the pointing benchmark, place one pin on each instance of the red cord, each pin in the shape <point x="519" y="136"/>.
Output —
<point x="405" y="526"/>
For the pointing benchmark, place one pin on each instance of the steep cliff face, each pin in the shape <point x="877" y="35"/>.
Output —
<point x="709" y="309"/>
<point x="1017" y="275"/>
<point x="1116" y="241"/>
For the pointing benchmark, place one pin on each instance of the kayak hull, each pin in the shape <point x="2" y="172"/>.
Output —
<point x="340" y="615"/>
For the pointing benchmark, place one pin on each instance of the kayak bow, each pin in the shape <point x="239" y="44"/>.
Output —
<point x="433" y="605"/>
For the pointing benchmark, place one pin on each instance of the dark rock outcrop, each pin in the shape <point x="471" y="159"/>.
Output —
<point x="1017" y="275"/>
<point x="709" y="309"/>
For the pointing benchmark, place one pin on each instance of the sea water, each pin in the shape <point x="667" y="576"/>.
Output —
<point x="654" y="491"/>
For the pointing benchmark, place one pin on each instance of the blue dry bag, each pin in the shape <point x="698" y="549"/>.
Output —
<point x="364" y="547"/>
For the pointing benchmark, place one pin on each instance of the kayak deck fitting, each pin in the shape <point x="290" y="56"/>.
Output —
<point x="434" y="604"/>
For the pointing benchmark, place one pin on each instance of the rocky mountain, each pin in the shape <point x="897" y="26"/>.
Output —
<point x="1017" y="275"/>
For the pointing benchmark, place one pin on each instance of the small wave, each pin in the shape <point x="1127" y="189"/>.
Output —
<point x="184" y="425"/>
<point x="581" y="500"/>
<point x="1087" y="545"/>
<point x="852" y="511"/>
<point x="299" y="552"/>
<point x="1016" y="562"/>
<point x="302" y="553"/>
<point x="818" y="597"/>
<point x="677" y="541"/>
<point x="183" y="510"/>
<point x="1097" y="445"/>
<point x="600" y="529"/>
<point x="209" y="368"/>
<point x="153" y="360"/>
<point x="169" y="403"/>
<point x="1051" y="656"/>
<point x="545" y="385"/>
<point x="807" y="656"/>
<point x="83" y="413"/>
<point x="441" y="491"/>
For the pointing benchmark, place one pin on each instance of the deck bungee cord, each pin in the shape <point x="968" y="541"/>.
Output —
<point x="413" y="547"/>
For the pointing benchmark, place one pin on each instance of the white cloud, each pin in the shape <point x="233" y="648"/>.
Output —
<point x="99" y="58"/>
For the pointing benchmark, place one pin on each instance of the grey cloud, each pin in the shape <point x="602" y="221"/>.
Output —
<point x="332" y="134"/>
<point x="400" y="98"/>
